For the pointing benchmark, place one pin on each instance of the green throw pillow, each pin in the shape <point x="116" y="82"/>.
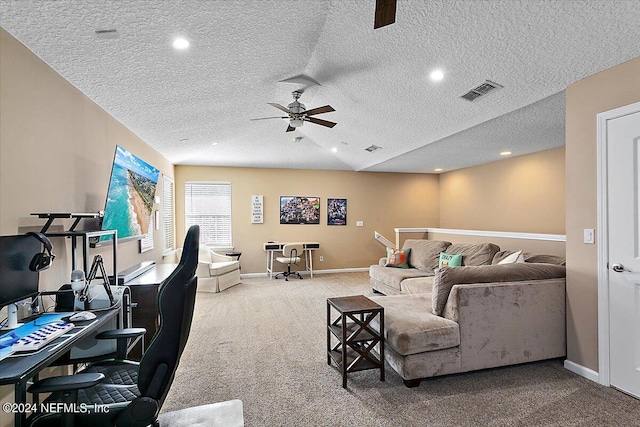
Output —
<point x="398" y="258"/>
<point x="450" y="260"/>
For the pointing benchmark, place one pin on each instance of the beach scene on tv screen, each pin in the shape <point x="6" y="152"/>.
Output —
<point x="132" y="189"/>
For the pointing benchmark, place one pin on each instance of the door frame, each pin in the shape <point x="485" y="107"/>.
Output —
<point x="602" y="238"/>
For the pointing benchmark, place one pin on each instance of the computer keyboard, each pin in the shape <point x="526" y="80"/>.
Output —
<point x="37" y="339"/>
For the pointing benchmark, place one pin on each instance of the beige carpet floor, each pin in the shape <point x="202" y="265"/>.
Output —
<point x="264" y="342"/>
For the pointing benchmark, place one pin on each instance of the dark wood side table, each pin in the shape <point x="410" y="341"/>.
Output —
<point x="355" y="335"/>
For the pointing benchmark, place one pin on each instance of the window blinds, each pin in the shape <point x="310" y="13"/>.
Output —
<point x="168" y="231"/>
<point x="208" y="204"/>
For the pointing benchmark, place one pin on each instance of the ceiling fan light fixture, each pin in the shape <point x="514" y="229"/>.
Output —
<point x="296" y="123"/>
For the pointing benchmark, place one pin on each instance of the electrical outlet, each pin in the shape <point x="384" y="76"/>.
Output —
<point x="321" y="258"/>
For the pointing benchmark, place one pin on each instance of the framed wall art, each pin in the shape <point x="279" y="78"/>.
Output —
<point x="299" y="210"/>
<point x="336" y="211"/>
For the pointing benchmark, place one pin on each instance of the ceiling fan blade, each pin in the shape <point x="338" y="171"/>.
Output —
<point x="319" y="110"/>
<point x="267" y="118"/>
<point x="280" y="107"/>
<point x="320" y="122"/>
<point x="385" y="13"/>
<point x="290" y="129"/>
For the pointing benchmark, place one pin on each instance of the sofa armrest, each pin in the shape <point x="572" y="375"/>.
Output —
<point x="216" y="257"/>
<point x="382" y="262"/>
<point x="509" y="322"/>
<point x="202" y="270"/>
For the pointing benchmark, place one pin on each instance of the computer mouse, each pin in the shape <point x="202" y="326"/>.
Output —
<point x="82" y="315"/>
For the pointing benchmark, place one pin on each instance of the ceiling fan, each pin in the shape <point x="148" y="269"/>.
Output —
<point x="298" y="114"/>
<point x="385" y="13"/>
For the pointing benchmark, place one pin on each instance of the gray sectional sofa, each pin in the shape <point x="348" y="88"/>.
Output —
<point x="480" y="315"/>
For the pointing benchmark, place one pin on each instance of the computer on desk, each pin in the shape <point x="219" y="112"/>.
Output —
<point x="17" y="281"/>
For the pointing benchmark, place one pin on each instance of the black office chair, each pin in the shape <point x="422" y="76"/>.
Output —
<point x="121" y="401"/>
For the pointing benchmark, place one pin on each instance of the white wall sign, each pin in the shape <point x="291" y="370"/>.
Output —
<point x="257" y="209"/>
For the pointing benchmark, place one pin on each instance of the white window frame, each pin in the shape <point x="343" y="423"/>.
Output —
<point x="223" y="216"/>
<point x="168" y="215"/>
<point x="146" y="243"/>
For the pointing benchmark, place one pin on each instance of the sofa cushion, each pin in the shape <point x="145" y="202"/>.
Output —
<point x="220" y="268"/>
<point x="425" y="253"/>
<point x="410" y="328"/>
<point x="529" y="257"/>
<point x="478" y="254"/>
<point x="398" y="258"/>
<point x="392" y="277"/>
<point x="445" y="278"/>
<point x="417" y="285"/>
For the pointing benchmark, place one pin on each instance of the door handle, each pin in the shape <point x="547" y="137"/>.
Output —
<point x="619" y="268"/>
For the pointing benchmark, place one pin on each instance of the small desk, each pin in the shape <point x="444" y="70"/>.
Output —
<point x="271" y="247"/>
<point x="18" y="370"/>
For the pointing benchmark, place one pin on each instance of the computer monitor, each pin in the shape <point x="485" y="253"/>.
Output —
<point x="17" y="282"/>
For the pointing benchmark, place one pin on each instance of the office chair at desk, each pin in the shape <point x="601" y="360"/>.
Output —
<point x="290" y="255"/>
<point x="122" y="401"/>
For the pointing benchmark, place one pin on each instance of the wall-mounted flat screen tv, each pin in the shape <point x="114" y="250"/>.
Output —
<point x="130" y="198"/>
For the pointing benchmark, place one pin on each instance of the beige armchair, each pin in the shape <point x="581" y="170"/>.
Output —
<point x="215" y="272"/>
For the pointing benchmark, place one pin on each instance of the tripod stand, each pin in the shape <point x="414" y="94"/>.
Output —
<point x="98" y="263"/>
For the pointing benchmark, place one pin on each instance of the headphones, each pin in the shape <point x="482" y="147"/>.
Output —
<point x="41" y="261"/>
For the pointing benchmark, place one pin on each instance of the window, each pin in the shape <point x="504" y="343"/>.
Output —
<point x="146" y="244"/>
<point x="208" y="204"/>
<point x="168" y="198"/>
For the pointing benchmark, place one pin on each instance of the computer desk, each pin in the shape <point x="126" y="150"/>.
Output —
<point x="18" y="370"/>
<point x="272" y="247"/>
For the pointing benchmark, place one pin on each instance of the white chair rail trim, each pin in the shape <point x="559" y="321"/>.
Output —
<point x="484" y="233"/>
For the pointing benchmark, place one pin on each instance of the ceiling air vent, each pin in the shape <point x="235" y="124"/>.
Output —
<point x="107" y="34"/>
<point x="372" y="148"/>
<point x="481" y="90"/>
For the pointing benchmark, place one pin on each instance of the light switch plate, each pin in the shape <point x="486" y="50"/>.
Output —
<point x="589" y="236"/>
<point x="359" y="223"/>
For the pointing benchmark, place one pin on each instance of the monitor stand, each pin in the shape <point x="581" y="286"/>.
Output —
<point x="12" y="317"/>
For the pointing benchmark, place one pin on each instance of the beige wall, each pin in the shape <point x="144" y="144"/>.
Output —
<point x="381" y="200"/>
<point x="612" y="88"/>
<point x="521" y="194"/>
<point x="56" y="150"/>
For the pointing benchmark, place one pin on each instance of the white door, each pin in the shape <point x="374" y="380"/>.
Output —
<point x="623" y="185"/>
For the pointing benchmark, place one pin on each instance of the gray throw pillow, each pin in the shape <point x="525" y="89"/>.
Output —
<point x="425" y="254"/>
<point x="474" y="254"/>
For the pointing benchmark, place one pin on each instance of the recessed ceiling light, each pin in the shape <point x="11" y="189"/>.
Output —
<point x="334" y="149"/>
<point x="180" y="43"/>
<point x="214" y="143"/>
<point x="436" y="75"/>
<point x="505" y="153"/>
<point x="437" y="170"/>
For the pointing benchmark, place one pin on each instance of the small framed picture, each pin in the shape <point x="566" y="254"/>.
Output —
<point x="336" y="211"/>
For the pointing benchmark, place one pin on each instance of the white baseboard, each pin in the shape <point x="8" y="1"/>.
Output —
<point x="339" y="270"/>
<point x="306" y="273"/>
<point x="582" y="371"/>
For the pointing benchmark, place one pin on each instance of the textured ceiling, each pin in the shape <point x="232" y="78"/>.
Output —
<point x="184" y="102"/>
